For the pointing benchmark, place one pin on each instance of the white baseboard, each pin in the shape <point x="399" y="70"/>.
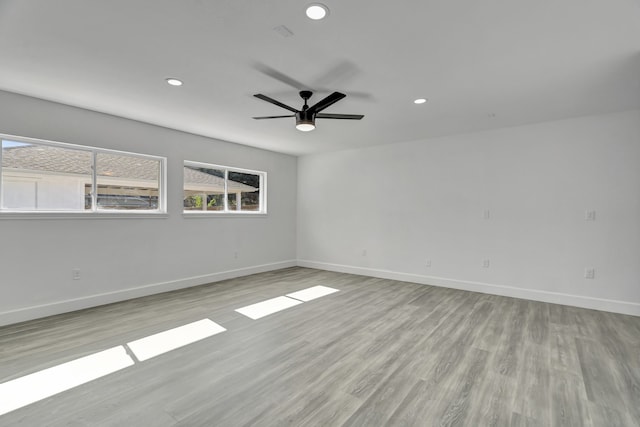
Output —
<point x="614" y="306"/>
<point x="59" y="307"/>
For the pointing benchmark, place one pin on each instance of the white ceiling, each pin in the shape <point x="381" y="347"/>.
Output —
<point x="522" y="61"/>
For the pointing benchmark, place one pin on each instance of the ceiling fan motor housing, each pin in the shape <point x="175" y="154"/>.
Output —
<point x="305" y="117"/>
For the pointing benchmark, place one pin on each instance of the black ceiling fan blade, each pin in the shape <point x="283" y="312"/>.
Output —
<point x="329" y="100"/>
<point x="339" y="116"/>
<point x="339" y="73"/>
<point x="281" y="77"/>
<point x="273" y="101"/>
<point x="273" y="117"/>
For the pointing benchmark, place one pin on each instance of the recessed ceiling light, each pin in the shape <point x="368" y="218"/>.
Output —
<point x="420" y="101"/>
<point x="317" y="11"/>
<point x="174" y="82"/>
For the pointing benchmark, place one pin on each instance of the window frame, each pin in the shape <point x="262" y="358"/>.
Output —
<point x="160" y="211"/>
<point x="227" y="212"/>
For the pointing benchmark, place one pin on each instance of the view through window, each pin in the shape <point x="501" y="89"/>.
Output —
<point x="212" y="188"/>
<point x="44" y="176"/>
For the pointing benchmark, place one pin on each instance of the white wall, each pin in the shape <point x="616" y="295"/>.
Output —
<point x="402" y="203"/>
<point x="406" y="203"/>
<point x="124" y="258"/>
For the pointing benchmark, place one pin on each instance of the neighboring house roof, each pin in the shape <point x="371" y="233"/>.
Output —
<point x="47" y="159"/>
<point x="56" y="160"/>
<point x="196" y="178"/>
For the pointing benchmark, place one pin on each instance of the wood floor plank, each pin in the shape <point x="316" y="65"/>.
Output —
<point x="465" y="389"/>
<point x="447" y="400"/>
<point x="489" y="339"/>
<point x="598" y="373"/>
<point x="610" y="417"/>
<point x="538" y="323"/>
<point x="381" y="404"/>
<point x="563" y="351"/>
<point x="507" y="352"/>
<point x="493" y="405"/>
<point x="519" y="420"/>
<point x="531" y="397"/>
<point x="569" y="403"/>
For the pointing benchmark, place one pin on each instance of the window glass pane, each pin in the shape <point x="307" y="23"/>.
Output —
<point x="203" y="189"/>
<point x="216" y="188"/>
<point x="243" y="191"/>
<point x="44" y="177"/>
<point x="127" y="182"/>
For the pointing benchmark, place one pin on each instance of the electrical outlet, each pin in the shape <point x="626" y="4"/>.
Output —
<point x="427" y="263"/>
<point x="364" y="252"/>
<point x="589" y="215"/>
<point x="235" y="255"/>
<point x="486" y="214"/>
<point x="75" y="273"/>
<point x="485" y="263"/>
<point x="589" y="273"/>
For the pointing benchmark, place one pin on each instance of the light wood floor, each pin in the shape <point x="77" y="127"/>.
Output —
<point x="377" y="353"/>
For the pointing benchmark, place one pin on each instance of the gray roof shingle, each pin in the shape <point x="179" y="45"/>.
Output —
<point x="51" y="159"/>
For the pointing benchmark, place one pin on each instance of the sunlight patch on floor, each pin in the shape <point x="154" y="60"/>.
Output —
<point x="312" y="293"/>
<point x="31" y="388"/>
<point x="265" y="308"/>
<point x="162" y="342"/>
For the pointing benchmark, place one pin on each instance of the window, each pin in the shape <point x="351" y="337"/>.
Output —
<point x="212" y="188"/>
<point x="55" y="177"/>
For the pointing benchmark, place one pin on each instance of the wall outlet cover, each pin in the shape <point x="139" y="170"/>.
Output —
<point x="589" y="273"/>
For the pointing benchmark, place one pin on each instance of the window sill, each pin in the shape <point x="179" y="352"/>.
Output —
<point x="213" y="214"/>
<point x="83" y="215"/>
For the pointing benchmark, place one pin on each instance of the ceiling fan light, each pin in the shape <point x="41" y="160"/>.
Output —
<point x="305" y="121"/>
<point x="305" y="126"/>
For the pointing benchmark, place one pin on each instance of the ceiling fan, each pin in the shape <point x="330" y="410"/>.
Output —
<point x="306" y="118"/>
